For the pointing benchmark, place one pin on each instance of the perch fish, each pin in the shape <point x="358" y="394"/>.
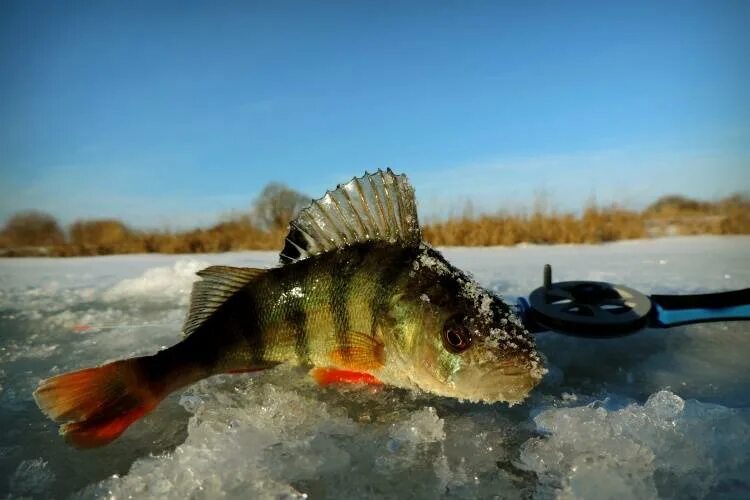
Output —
<point x="358" y="297"/>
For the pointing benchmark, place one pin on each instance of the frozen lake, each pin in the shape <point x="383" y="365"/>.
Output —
<point x="658" y="414"/>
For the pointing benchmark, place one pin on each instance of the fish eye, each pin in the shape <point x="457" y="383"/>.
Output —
<point x="456" y="336"/>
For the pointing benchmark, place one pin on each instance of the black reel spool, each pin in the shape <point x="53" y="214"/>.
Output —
<point x="588" y="308"/>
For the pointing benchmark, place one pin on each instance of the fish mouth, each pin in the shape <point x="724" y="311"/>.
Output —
<point x="500" y="380"/>
<point x="511" y="370"/>
<point x="510" y="382"/>
<point x="510" y="373"/>
<point x="511" y="387"/>
<point x="513" y="367"/>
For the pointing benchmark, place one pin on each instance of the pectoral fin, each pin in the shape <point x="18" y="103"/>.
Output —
<point x="360" y="353"/>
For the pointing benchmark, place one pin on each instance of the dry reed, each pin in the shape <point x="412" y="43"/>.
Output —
<point x="667" y="216"/>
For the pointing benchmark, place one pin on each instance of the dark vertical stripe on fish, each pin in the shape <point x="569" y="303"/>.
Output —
<point x="297" y="318"/>
<point x="255" y="339"/>
<point x="389" y="273"/>
<point x="339" y="294"/>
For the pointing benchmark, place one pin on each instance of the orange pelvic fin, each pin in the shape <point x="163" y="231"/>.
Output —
<point x="96" y="405"/>
<point x="328" y="376"/>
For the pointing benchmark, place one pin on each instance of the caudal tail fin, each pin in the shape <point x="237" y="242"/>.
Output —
<point x="96" y="405"/>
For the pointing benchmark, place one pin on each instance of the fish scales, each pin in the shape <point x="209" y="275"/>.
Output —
<point x="299" y="314"/>
<point x="336" y="294"/>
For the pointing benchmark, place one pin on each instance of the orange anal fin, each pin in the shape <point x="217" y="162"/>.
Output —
<point x="245" y="370"/>
<point x="328" y="376"/>
<point x="250" y="369"/>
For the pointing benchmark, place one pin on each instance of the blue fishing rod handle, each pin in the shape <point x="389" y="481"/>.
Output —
<point x="673" y="310"/>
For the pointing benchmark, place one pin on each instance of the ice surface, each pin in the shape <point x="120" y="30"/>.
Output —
<point x="657" y="414"/>
<point x="31" y="478"/>
<point x="666" y="446"/>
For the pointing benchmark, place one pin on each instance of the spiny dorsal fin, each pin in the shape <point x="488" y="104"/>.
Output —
<point x="218" y="284"/>
<point x="374" y="207"/>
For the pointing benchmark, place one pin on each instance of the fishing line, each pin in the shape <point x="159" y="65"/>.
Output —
<point x="81" y="327"/>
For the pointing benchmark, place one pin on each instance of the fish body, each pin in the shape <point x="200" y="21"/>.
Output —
<point x="359" y="298"/>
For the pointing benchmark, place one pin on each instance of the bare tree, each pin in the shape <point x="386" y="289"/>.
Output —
<point x="277" y="205"/>
<point x="32" y="228"/>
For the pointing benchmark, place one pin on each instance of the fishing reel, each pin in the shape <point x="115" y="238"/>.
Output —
<point x="600" y="309"/>
<point x="588" y="308"/>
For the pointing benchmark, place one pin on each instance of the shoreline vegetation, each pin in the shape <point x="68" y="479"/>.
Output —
<point x="34" y="233"/>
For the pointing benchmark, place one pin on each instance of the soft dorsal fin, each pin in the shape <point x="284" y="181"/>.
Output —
<point x="218" y="284"/>
<point x="374" y="207"/>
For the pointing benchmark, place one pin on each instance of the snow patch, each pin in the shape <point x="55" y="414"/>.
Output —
<point x="161" y="283"/>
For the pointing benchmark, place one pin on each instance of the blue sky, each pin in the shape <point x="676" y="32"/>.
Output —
<point x="171" y="114"/>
